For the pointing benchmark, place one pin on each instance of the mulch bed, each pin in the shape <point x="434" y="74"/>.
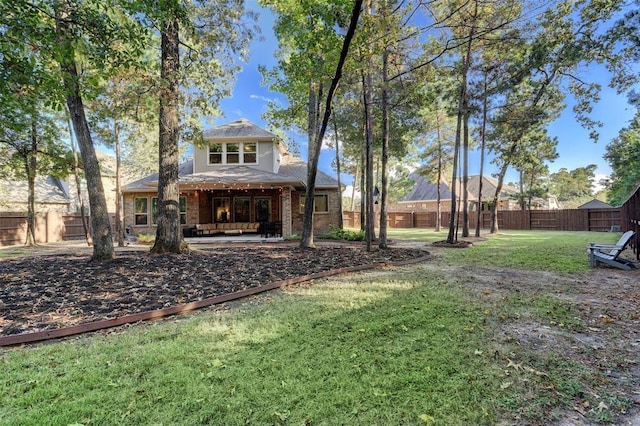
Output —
<point x="48" y="292"/>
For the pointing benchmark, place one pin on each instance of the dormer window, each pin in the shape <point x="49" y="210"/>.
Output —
<point x="233" y="153"/>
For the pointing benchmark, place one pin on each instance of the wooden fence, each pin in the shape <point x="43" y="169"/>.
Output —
<point x="630" y="212"/>
<point x="602" y="220"/>
<point x="50" y="227"/>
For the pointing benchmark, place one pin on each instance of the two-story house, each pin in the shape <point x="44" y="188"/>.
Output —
<point x="241" y="177"/>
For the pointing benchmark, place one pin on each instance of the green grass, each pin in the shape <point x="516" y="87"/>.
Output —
<point x="563" y="252"/>
<point x="357" y="352"/>
<point x="404" y="346"/>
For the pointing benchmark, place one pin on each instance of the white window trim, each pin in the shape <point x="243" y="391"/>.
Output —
<point x="224" y="153"/>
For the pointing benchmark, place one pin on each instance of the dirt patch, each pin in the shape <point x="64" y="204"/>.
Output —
<point x="590" y="320"/>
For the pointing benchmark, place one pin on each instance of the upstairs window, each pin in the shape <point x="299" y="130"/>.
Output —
<point x="250" y="153"/>
<point x="233" y="153"/>
<point x="215" y="153"/>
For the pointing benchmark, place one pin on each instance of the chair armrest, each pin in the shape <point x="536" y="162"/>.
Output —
<point x="604" y="246"/>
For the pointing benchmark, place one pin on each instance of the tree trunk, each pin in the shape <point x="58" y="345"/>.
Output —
<point x="315" y="92"/>
<point x="465" y="173"/>
<point x="335" y="130"/>
<point x="168" y="232"/>
<point x="119" y="227"/>
<point x="76" y="175"/>
<point x="101" y="227"/>
<point x="451" y="237"/>
<point x="462" y="104"/>
<point x="385" y="148"/>
<point x="30" y="163"/>
<point x="368" y="123"/>
<point x="523" y="205"/>
<point x="363" y="198"/>
<point x="439" y="179"/>
<point x="312" y="166"/>
<point x="482" y="147"/>
<point x="496" y="199"/>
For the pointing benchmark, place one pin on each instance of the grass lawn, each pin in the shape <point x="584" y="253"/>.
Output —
<point x="401" y="346"/>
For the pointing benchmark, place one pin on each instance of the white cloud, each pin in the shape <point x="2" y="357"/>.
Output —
<point x="264" y="99"/>
<point x="348" y="191"/>
<point x="596" y="184"/>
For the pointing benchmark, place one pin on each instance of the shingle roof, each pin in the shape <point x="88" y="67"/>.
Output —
<point x="293" y="171"/>
<point x="296" y="168"/>
<point x="47" y="190"/>
<point x="596" y="204"/>
<point x="424" y="190"/>
<point x="242" y="128"/>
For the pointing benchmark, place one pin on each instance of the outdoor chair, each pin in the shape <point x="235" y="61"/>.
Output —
<point x="608" y="253"/>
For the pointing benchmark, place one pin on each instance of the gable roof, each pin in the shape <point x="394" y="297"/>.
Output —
<point x="242" y="128"/>
<point x="424" y="190"/>
<point x="596" y="204"/>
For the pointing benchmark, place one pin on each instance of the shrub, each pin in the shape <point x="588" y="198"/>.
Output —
<point x="146" y="238"/>
<point x="336" y="233"/>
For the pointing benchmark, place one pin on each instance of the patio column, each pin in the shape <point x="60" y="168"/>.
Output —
<point x="286" y="213"/>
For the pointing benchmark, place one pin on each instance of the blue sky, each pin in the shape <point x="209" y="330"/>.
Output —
<point x="575" y="149"/>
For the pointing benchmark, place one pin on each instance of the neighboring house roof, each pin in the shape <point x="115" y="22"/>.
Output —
<point x="596" y="204"/>
<point x="48" y="190"/>
<point x="242" y="128"/>
<point x="425" y="190"/>
<point x="292" y="171"/>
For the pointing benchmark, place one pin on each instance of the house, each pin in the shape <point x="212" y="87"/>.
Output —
<point x="242" y="176"/>
<point x="51" y="195"/>
<point x="58" y="194"/>
<point x="423" y="196"/>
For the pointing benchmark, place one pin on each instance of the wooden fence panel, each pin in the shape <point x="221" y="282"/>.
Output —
<point x="603" y="220"/>
<point x="543" y="220"/>
<point x="74" y="229"/>
<point x="398" y="219"/>
<point x="514" y="219"/>
<point x="13" y="228"/>
<point x="50" y="227"/>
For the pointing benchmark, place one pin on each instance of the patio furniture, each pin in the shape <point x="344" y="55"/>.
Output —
<point x="609" y="253"/>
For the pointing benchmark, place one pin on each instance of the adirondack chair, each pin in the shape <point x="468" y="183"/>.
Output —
<point x="608" y="253"/>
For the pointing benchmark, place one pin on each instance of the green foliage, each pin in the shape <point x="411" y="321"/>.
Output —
<point x="623" y="155"/>
<point x="570" y="185"/>
<point x="336" y="233"/>
<point x="146" y="238"/>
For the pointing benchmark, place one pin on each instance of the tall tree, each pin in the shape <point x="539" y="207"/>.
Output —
<point x="168" y="232"/>
<point x="623" y="155"/>
<point x="66" y="31"/>
<point x="200" y="45"/>
<point x="310" y="47"/>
